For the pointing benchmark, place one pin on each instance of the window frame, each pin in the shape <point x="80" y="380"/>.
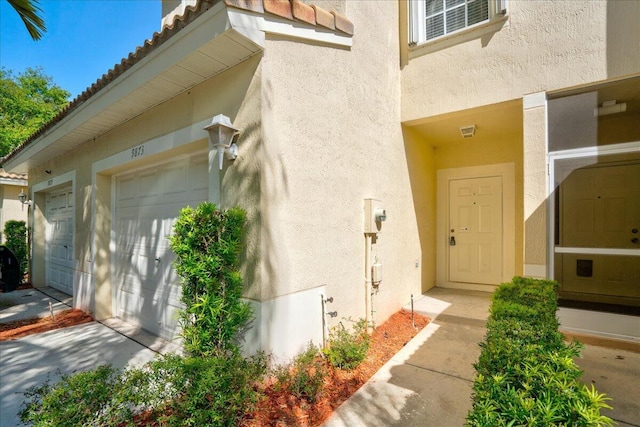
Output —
<point x="417" y="21"/>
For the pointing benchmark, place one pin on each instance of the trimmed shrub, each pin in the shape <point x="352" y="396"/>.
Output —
<point x="526" y="374"/>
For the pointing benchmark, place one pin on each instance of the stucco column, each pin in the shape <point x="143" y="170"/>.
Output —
<point x="535" y="184"/>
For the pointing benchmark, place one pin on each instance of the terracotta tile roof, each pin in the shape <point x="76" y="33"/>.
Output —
<point x="293" y="10"/>
<point x="17" y="176"/>
<point x="296" y="10"/>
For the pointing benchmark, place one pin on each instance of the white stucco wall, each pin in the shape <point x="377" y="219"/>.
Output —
<point x="331" y="122"/>
<point x="543" y="46"/>
<point x="11" y="208"/>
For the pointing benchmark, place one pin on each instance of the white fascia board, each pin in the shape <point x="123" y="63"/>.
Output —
<point x="250" y="24"/>
<point x="211" y="24"/>
<point x="16" y="182"/>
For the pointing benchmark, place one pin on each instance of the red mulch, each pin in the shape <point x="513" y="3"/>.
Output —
<point x="277" y="408"/>
<point x="280" y="409"/>
<point x="21" y="328"/>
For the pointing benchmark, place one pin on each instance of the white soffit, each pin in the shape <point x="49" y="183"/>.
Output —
<point x="206" y="47"/>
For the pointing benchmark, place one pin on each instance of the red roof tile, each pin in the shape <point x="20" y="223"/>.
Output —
<point x="17" y="176"/>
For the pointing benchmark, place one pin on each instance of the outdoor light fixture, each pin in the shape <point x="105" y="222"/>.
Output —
<point x="468" y="131"/>
<point x="221" y="133"/>
<point x="23" y="198"/>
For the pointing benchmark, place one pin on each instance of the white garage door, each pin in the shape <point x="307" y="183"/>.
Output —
<point x="59" y="240"/>
<point x="147" y="205"/>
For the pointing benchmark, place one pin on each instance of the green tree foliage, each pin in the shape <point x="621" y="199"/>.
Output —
<point x="27" y="101"/>
<point x="29" y="11"/>
<point x="15" y="233"/>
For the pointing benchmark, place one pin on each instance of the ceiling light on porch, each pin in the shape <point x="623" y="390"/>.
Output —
<point x="610" y="107"/>
<point x="221" y="133"/>
<point x="468" y="131"/>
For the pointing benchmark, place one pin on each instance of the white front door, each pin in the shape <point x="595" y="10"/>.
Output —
<point x="475" y="230"/>
<point x="147" y="205"/>
<point x="59" y="240"/>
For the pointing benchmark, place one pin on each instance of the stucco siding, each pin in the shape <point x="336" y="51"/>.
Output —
<point x="542" y="46"/>
<point x="332" y="139"/>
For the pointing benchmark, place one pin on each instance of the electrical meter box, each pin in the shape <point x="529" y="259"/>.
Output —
<point x="376" y="273"/>
<point x="374" y="216"/>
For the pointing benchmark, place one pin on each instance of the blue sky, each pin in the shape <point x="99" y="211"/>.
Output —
<point x="84" y="38"/>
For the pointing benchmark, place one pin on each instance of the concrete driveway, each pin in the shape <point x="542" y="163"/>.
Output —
<point x="31" y="360"/>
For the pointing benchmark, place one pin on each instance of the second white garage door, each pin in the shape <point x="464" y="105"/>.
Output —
<point x="147" y="205"/>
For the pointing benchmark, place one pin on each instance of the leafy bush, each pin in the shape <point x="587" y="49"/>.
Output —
<point x="83" y="399"/>
<point x="347" y="349"/>
<point x="15" y="233"/>
<point x="207" y="242"/>
<point x="214" y="386"/>
<point x="178" y="391"/>
<point x="526" y="374"/>
<point x="304" y="378"/>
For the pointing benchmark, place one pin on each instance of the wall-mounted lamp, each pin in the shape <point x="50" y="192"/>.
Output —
<point x="23" y="198"/>
<point x="468" y="131"/>
<point x="221" y="133"/>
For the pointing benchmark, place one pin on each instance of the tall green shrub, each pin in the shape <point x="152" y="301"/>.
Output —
<point x="207" y="242"/>
<point x="15" y="233"/>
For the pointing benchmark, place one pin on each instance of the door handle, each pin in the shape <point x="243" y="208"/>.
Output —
<point x="452" y="241"/>
<point x="635" y="240"/>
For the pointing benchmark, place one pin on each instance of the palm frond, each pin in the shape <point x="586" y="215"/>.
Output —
<point x="29" y="11"/>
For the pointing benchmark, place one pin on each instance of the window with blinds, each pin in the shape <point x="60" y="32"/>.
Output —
<point x="436" y="18"/>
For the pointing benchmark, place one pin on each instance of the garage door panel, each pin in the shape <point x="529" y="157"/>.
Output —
<point x="59" y="240"/>
<point x="148" y="203"/>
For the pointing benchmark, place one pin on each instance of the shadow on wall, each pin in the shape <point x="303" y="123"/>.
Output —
<point x="257" y="182"/>
<point x="422" y="176"/>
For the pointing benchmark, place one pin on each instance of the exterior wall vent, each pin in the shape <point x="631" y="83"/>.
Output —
<point x="468" y="131"/>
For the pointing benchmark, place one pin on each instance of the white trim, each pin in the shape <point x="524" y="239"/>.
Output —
<point x="16" y="182"/>
<point x="417" y="28"/>
<point x="534" y="100"/>
<point x="55" y="181"/>
<point x="186" y="135"/>
<point x="254" y="26"/>
<point x="553" y="157"/>
<point x="607" y="325"/>
<point x="507" y="172"/>
<point x="597" y="251"/>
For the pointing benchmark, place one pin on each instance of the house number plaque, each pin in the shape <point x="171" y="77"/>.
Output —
<point x="137" y="151"/>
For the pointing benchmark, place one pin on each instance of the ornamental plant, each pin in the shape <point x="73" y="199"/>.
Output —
<point x="207" y="242"/>
<point x="348" y="348"/>
<point x="15" y="233"/>
<point x="526" y="374"/>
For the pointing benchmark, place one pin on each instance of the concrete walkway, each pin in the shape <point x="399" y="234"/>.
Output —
<point x="31" y="360"/>
<point x="429" y="382"/>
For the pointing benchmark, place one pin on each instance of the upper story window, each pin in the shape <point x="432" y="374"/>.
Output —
<point x="432" y="19"/>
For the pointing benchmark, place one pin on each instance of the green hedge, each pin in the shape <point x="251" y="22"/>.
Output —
<point x="526" y="374"/>
<point x="15" y="234"/>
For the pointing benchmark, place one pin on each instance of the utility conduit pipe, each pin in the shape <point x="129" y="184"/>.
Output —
<point x="367" y="282"/>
